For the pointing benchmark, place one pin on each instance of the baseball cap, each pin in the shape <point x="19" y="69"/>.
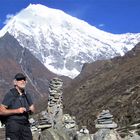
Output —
<point x="20" y="76"/>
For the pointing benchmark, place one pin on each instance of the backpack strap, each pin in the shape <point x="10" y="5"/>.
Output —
<point x="27" y="99"/>
<point x="29" y="111"/>
<point x="13" y="90"/>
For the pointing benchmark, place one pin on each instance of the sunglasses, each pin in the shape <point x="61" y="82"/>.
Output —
<point x="19" y="79"/>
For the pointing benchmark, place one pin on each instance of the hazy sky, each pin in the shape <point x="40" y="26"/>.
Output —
<point x="115" y="16"/>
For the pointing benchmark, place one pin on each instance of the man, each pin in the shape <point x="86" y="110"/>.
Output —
<point x="16" y="107"/>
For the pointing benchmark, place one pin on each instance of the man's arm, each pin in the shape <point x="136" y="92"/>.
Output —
<point x="32" y="108"/>
<point x="30" y="103"/>
<point x="5" y="112"/>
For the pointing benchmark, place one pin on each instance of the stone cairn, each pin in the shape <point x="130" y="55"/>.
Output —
<point x="53" y="116"/>
<point x="59" y="120"/>
<point x="106" y="127"/>
<point x="55" y="106"/>
<point x="105" y="120"/>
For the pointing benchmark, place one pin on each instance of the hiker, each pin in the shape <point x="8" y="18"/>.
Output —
<point x="16" y="107"/>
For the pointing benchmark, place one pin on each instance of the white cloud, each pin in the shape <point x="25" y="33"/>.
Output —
<point x="8" y="17"/>
<point x="101" y="25"/>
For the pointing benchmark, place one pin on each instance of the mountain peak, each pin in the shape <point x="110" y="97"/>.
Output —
<point x="64" y="43"/>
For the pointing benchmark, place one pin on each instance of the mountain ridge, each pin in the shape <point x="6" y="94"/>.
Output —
<point x="64" y="43"/>
<point x="107" y="84"/>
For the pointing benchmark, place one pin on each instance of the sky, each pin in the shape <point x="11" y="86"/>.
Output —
<point x="114" y="16"/>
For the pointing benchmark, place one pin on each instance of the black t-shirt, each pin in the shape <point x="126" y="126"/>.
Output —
<point x="14" y="100"/>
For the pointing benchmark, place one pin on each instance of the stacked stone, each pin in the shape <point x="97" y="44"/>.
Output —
<point x="55" y="101"/>
<point x="43" y="123"/>
<point x="69" y="126"/>
<point x="55" y="90"/>
<point x="69" y="121"/>
<point x="106" y="127"/>
<point x="105" y="120"/>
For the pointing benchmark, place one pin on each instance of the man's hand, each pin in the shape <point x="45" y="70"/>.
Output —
<point x="5" y="111"/>
<point x="32" y="108"/>
<point x="21" y="110"/>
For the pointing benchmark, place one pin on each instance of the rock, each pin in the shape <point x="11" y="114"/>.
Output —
<point x="2" y="133"/>
<point x="132" y="137"/>
<point x="53" y="134"/>
<point x="84" y="130"/>
<point x="112" y="125"/>
<point x="106" y="134"/>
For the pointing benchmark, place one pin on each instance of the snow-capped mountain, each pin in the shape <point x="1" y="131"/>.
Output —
<point x="62" y="42"/>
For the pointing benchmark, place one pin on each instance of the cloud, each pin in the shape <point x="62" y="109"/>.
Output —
<point x="101" y="25"/>
<point x="8" y="18"/>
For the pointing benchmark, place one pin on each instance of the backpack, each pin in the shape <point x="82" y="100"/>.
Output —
<point x="4" y="118"/>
